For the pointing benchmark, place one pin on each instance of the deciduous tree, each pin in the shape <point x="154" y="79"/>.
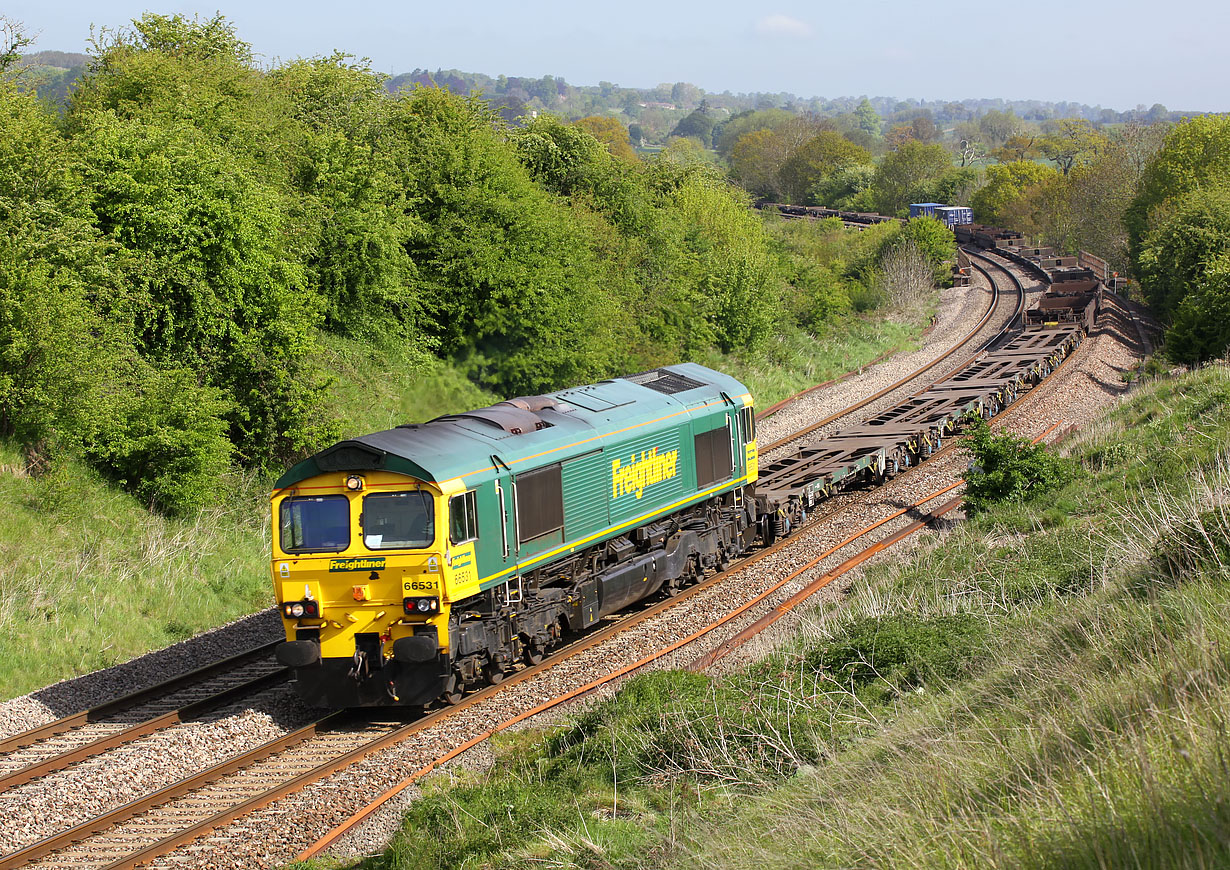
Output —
<point x="696" y="125"/>
<point x="867" y="117"/>
<point x="904" y="168"/>
<point x="1178" y="249"/>
<point x="1073" y="142"/>
<point x="815" y="160"/>
<point x="1196" y="153"/>
<point x="924" y="129"/>
<point x="13" y="40"/>
<point x="1005" y="183"/>
<point x="610" y="132"/>
<point x="998" y="127"/>
<point x="1020" y="146"/>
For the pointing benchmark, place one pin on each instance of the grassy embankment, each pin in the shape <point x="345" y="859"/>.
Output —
<point x="1048" y="685"/>
<point x="91" y="578"/>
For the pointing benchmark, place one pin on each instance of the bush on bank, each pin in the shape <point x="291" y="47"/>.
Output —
<point x="179" y="244"/>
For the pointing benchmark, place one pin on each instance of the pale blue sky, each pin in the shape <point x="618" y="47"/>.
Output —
<point x="1114" y="54"/>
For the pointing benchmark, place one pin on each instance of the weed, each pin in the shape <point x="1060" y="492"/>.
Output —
<point x="1007" y="468"/>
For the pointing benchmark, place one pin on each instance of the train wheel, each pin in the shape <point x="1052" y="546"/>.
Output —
<point x="495" y="675"/>
<point x="533" y="654"/>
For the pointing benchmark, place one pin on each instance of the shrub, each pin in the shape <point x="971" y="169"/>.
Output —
<point x="1007" y="468"/>
<point x="165" y="440"/>
<point x="903" y="649"/>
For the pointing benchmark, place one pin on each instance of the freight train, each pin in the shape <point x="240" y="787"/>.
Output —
<point x="415" y="564"/>
<point x="819" y="212"/>
<point x="1074" y="291"/>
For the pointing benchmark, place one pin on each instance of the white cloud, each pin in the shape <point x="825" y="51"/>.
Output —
<point x="783" y="25"/>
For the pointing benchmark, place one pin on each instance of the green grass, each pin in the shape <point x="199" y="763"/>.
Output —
<point x="374" y="388"/>
<point x="1049" y="685"/>
<point x="90" y="578"/>
<point x="377" y="388"/>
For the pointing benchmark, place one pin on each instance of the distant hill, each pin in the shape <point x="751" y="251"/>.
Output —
<point x="56" y="59"/>
<point x="52" y="73"/>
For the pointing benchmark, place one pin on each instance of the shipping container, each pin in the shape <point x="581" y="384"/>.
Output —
<point x="954" y="215"/>
<point x="924" y="209"/>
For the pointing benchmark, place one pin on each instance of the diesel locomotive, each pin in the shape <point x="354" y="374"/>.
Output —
<point x="413" y="564"/>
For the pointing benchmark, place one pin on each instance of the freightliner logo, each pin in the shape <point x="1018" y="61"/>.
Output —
<point x="359" y="564"/>
<point x="648" y="468"/>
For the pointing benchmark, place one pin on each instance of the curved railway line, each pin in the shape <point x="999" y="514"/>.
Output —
<point x="155" y="824"/>
<point x="917" y="381"/>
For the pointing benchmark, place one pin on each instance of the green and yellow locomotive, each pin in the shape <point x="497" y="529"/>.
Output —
<point x="412" y="564"/>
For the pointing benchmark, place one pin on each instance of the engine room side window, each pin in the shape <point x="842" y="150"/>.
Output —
<point x="463" y="517"/>
<point x="540" y="502"/>
<point x="320" y="522"/>
<point x="713" y="460"/>
<point x="398" y="520"/>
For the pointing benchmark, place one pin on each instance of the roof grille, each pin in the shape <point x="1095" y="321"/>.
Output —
<point x="664" y="381"/>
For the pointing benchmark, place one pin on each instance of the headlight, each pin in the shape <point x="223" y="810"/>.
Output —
<point x="299" y="609"/>
<point x="424" y="605"/>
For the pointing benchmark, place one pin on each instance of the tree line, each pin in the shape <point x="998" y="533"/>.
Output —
<point x="653" y="114"/>
<point x="176" y="242"/>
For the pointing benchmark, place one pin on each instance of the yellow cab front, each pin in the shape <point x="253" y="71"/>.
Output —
<point x="359" y="570"/>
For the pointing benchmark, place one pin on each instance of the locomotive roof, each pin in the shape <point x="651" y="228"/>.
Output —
<point x="475" y="443"/>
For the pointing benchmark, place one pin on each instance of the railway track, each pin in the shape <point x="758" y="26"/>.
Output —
<point x="73" y="739"/>
<point x="157" y="823"/>
<point x="1008" y="306"/>
<point x="896" y="525"/>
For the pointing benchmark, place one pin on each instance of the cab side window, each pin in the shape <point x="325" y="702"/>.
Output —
<point x="463" y="517"/>
<point x="748" y="419"/>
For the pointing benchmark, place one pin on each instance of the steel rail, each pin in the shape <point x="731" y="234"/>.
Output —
<point x="394" y="736"/>
<point x="747" y="633"/>
<point x="354" y="819"/>
<point x="731" y="644"/>
<point x="1020" y="307"/>
<point x="986" y="317"/>
<point x="189" y="784"/>
<point x="142" y="729"/>
<point x="184" y="786"/>
<point x="337" y="832"/>
<point x="134" y="699"/>
<point x="79" y="832"/>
